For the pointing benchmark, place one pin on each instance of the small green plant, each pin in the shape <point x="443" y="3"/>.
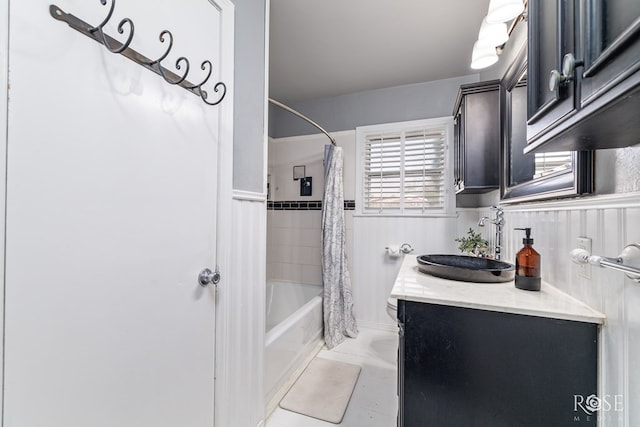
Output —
<point x="472" y="242"/>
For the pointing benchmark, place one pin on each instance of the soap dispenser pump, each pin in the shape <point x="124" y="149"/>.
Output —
<point x="527" y="265"/>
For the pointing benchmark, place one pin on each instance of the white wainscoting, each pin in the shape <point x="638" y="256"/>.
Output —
<point x="240" y="364"/>
<point x="611" y="222"/>
<point x="374" y="271"/>
<point x="4" y="79"/>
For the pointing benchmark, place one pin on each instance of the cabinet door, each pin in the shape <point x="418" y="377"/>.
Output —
<point x="458" y="153"/>
<point x="482" y="141"/>
<point x="477" y="144"/>
<point x="400" y="382"/>
<point x="467" y="367"/>
<point x="611" y="45"/>
<point x="461" y="156"/>
<point x="551" y="36"/>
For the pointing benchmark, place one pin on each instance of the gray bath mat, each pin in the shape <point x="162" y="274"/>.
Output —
<point x="323" y="390"/>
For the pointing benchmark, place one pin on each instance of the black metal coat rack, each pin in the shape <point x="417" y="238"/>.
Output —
<point x="115" y="46"/>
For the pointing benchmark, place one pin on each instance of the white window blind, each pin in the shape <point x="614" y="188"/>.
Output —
<point x="549" y="163"/>
<point x="404" y="171"/>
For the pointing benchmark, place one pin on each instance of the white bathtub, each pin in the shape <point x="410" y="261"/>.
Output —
<point x="293" y="331"/>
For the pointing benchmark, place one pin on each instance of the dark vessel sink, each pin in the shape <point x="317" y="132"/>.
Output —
<point x="466" y="268"/>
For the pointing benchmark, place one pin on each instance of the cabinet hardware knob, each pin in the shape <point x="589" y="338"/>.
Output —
<point x="557" y="78"/>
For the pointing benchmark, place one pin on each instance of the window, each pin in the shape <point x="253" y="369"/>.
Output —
<point x="403" y="168"/>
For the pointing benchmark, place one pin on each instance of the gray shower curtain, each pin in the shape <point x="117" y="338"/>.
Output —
<point x="339" y="320"/>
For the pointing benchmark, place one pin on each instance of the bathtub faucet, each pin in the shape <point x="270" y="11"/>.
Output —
<point x="498" y="221"/>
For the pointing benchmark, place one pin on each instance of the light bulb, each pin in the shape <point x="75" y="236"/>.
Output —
<point x="492" y="34"/>
<point x="483" y="56"/>
<point x="504" y="10"/>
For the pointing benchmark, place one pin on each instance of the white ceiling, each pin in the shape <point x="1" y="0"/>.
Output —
<point x="325" y="48"/>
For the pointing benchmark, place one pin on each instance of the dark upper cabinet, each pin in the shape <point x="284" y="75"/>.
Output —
<point x="583" y="74"/>
<point x="477" y="137"/>
<point x="611" y="46"/>
<point x="551" y="37"/>
<point x="535" y="176"/>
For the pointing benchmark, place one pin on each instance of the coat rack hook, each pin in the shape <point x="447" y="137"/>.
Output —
<point x="96" y="33"/>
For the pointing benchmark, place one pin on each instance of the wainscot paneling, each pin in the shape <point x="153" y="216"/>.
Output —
<point x="374" y="270"/>
<point x="611" y="222"/>
<point x="4" y="78"/>
<point x="241" y="325"/>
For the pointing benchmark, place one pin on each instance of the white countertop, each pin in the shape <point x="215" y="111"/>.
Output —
<point x="412" y="285"/>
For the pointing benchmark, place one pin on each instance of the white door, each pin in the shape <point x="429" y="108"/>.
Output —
<point x="111" y="214"/>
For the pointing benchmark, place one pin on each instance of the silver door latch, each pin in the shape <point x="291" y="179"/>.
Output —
<point x="207" y="277"/>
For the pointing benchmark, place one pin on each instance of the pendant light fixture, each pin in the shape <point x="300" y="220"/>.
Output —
<point x="493" y="30"/>
<point x="504" y="10"/>
<point x="483" y="56"/>
<point x="492" y="34"/>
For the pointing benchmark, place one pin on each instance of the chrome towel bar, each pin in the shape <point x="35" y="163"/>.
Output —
<point x="628" y="261"/>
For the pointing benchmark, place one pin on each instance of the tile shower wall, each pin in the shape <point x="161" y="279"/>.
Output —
<point x="293" y="236"/>
<point x="611" y="222"/>
<point x="293" y="221"/>
<point x="308" y="151"/>
<point x="293" y="245"/>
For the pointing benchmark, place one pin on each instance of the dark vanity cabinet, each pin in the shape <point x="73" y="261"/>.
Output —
<point x="462" y="367"/>
<point x="583" y="74"/>
<point x="477" y="137"/>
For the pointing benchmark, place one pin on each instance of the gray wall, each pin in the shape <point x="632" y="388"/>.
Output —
<point x="346" y="112"/>
<point x="248" y="125"/>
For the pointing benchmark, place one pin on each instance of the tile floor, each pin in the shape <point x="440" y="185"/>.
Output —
<point x="374" y="402"/>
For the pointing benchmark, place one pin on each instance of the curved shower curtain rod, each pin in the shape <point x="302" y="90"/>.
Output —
<point x="302" y="116"/>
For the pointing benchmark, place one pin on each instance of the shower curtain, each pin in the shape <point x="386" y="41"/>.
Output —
<point x="339" y="320"/>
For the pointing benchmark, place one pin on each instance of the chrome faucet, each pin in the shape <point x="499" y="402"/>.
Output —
<point x="499" y="222"/>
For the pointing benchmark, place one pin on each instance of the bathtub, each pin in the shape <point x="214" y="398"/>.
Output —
<point x="293" y="332"/>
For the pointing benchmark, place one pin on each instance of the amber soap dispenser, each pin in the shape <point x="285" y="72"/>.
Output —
<point x="528" y="265"/>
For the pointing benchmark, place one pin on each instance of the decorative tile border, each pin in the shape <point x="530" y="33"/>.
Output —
<point x="305" y="205"/>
